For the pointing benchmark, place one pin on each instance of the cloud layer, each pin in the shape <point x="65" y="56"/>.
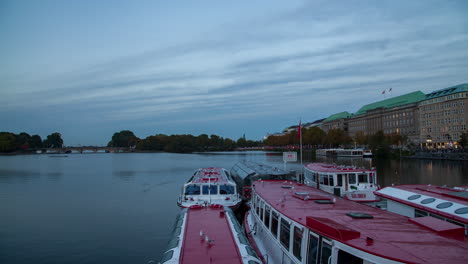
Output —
<point x="253" y="76"/>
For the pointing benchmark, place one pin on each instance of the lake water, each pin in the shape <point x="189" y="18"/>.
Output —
<point x="119" y="208"/>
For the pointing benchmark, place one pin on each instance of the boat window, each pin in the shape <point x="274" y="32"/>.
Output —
<point x="167" y="256"/>
<point x="324" y="179"/>
<point x="340" y="180"/>
<point x="297" y="242"/>
<point x="267" y="216"/>
<point x="312" y="250"/>
<point x="257" y="206"/>
<point x="346" y="258"/>
<point x="226" y="189"/>
<point x="371" y="177"/>
<point x="210" y="189"/>
<point x="261" y="210"/>
<point x="274" y="223"/>
<point x="285" y="233"/>
<point x="420" y="213"/>
<point x="192" y="189"/>
<point x="251" y="252"/>
<point x="463" y="210"/>
<point x="326" y="253"/>
<point x="352" y="178"/>
<point x="428" y="200"/>
<point x="363" y="178"/>
<point x="444" y="205"/>
<point x="330" y="180"/>
<point x="414" y="197"/>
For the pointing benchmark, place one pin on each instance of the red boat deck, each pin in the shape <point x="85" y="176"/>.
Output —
<point x="387" y="235"/>
<point x="213" y="223"/>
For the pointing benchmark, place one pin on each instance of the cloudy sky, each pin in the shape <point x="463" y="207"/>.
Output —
<point x="88" y="69"/>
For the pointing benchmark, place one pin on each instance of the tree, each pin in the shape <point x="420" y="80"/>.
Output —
<point x="36" y="141"/>
<point x="23" y="140"/>
<point x="463" y="140"/>
<point x="53" y="140"/>
<point x="124" y="138"/>
<point x="313" y="136"/>
<point x="336" y="137"/>
<point x="7" y="142"/>
<point x="360" y="138"/>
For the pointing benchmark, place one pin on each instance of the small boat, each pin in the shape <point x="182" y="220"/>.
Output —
<point x="293" y="223"/>
<point x="246" y="172"/>
<point x="208" y="235"/>
<point x="352" y="183"/>
<point x="419" y="200"/>
<point x="210" y="186"/>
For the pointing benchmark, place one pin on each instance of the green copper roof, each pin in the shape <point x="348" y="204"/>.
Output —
<point x="338" y="116"/>
<point x="393" y="102"/>
<point x="451" y="90"/>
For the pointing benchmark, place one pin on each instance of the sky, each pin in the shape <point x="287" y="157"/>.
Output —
<point x="88" y="69"/>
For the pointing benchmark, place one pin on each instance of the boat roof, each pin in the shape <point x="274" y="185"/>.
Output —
<point x="333" y="168"/>
<point x="386" y="234"/>
<point x="448" y="202"/>
<point x="210" y="175"/>
<point x="213" y="223"/>
<point x="251" y="167"/>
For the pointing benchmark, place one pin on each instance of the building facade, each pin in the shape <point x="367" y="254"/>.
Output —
<point x="336" y="121"/>
<point x="397" y="115"/>
<point x="444" y="115"/>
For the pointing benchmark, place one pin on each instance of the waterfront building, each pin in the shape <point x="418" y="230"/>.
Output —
<point x="444" y="115"/>
<point x="336" y="121"/>
<point x="396" y="115"/>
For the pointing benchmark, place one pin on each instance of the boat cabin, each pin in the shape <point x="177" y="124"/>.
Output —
<point x="420" y="200"/>
<point x="210" y="186"/>
<point x="356" y="184"/>
<point x="246" y="172"/>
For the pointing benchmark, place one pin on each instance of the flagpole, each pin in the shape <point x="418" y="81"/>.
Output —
<point x="300" y="140"/>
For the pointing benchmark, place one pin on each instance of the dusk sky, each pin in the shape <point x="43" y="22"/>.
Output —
<point x="88" y="69"/>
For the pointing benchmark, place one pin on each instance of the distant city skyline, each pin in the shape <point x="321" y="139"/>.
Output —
<point x="89" y="69"/>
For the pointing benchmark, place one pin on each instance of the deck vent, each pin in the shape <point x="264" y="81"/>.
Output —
<point x="360" y="215"/>
<point x="414" y="197"/>
<point x="286" y="186"/>
<point x="444" y="205"/>
<point x="428" y="200"/>
<point x="324" y="201"/>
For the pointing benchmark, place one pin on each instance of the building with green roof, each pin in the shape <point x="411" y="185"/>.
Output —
<point x="397" y="101"/>
<point x="335" y="121"/>
<point x="443" y="117"/>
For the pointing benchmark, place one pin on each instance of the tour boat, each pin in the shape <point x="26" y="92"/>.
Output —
<point x="208" y="234"/>
<point x="293" y="223"/>
<point x="419" y="200"/>
<point x="210" y="186"/>
<point x="245" y="172"/>
<point x="366" y="153"/>
<point x="353" y="183"/>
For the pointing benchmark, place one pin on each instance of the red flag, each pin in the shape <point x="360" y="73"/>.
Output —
<point x="299" y="130"/>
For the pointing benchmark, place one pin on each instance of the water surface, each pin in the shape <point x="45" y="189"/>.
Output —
<point x="119" y="208"/>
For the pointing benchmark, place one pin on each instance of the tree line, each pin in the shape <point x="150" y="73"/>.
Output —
<point x="178" y="143"/>
<point x="10" y="142"/>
